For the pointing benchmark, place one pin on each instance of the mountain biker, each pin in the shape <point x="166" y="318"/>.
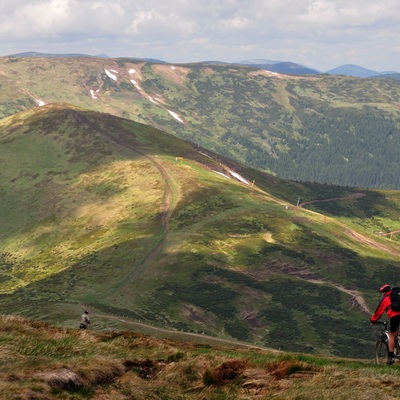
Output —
<point x="394" y="318"/>
<point x="85" y="320"/>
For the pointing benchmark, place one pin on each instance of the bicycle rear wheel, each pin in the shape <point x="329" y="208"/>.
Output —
<point x="381" y="352"/>
<point x="397" y="347"/>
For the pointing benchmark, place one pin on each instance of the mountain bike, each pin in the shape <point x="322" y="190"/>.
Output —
<point x="382" y="344"/>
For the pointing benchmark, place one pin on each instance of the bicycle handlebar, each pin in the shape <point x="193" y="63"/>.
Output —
<point x="385" y="323"/>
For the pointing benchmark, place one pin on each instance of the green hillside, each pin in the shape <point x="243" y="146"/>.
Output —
<point x="328" y="129"/>
<point x="137" y="224"/>
<point x="40" y="361"/>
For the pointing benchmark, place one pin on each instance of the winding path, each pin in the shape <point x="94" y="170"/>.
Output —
<point x="356" y="300"/>
<point x="389" y="233"/>
<point x="355" y="235"/>
<point x="168" y="206"/>
<point x="199" y="337"/>
<point x="349" y="197"/>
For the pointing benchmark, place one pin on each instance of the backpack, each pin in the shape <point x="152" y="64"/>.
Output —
<point x="395" y="299"/>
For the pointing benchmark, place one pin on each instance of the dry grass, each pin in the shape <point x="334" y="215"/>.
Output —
<point x="127" y="365"/>
<point x="175" y="74"/>
<point x="227" y="372"/>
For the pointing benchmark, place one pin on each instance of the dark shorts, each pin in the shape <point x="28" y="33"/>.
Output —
<point x="394" y="323"/>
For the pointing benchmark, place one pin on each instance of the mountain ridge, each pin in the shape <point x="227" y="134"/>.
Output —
<point x="318" y="128"/>
<point x="357" y="71"/>
<point x="284" y="67"/>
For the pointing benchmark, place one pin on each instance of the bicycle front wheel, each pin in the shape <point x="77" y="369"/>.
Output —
<point x="381" y="352"/>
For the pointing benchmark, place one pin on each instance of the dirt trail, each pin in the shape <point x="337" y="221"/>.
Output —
<point x="370" y="242"/>
<point x="356" y="300"/>
<point x="166" y="212"/>
<point x="188" y="335"/>
<point x="389" y="233"/>
<point x="355" y="235"/>
<point x="167" y="209"/>
<point x="349" y="197"/>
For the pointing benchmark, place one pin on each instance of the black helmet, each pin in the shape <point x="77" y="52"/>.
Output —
<point x="86" y="312"/>
<point x="385" y="288"/>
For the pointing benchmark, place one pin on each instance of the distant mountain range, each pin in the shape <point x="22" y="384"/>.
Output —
<point x="51" y="55"/>
<point x="281" y="67"/>
<point x="288" y="67"/>
<point x="74" y="55"/>
<point x="360" y="72"/>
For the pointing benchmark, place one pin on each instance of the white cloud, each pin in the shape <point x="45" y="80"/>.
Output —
<point x="236" y="23"/>
<point x="355" y="13"/>
<point x="319" y="33"/>
<point x="141" y="19"/>
<point x="61" y="17"/>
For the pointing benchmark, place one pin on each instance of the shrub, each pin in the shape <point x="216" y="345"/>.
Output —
<point x="225" y="373"/>
<point x="283" y="369"/>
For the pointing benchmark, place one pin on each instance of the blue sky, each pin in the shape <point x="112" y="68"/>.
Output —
<point x="321" y="34"/>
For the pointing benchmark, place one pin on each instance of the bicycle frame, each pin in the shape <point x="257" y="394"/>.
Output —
<point x="382" y="344"/>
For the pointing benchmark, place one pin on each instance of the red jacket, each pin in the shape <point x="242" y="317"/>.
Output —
<point x="384" y="305"/>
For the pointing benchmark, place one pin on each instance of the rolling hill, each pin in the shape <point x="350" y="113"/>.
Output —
<point x="357" y="71"/>
<point x="132" y="222"/>
<point x="282" y="67"/>
<point x="328" y="129"/>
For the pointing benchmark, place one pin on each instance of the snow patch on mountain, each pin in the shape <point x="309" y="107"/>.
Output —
<point x="239" y="178"/>
<point x="156" y="101"/>
<point x="204" y="154"/>
<point x="235" y="175"/>
<point x="93" y="93"/>
<point x="176" y="116"/>
<point x="220" y="173"/>
<point x="110" y="74"/>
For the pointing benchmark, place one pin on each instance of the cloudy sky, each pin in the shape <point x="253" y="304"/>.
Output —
<point x="321" y="34"/>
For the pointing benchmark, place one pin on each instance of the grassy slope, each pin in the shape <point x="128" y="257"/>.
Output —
<point x="97" y="210"/>
<point x="39" y="361"/>
<point x="246" y="114"/>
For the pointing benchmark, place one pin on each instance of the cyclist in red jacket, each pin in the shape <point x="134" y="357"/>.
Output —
<point x="394" y="317"/>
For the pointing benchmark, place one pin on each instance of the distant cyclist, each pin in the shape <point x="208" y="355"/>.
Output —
<point x="85" y="320"/>
<point x="394" y="317"/>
